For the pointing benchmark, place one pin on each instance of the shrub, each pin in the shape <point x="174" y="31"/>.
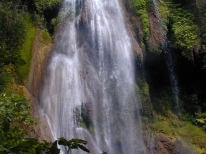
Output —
<point x="15" y="118"/>
<point x="185" y="34"/>
<point x="12" y="32"/>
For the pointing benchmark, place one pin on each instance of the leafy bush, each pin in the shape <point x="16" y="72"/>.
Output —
<point x="185" y="31"/>
<point x="200" y="120"/>
<point x="5" y="77"/>
<point x="15" y="125"/>
<point x="15" y="119"/>
<point x="12" y="32"/>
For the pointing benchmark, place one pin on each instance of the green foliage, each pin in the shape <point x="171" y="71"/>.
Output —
<point x="5" y="77"/>
<point x="181" y="23"/>
<point x="73" y="144"/>
<point x="17" y="33"/>
<point x="171" y="125"/>
<point x="16" y="123"/>
<point x="143" y="90"/>
<point x="12" y="32"/>
<point x="33" y="146"/>
<point x="41" y="5"/>
<point x="46" y="13"/>
<point x="29" y="146"/>
<point x="15" y="119"/>
<point x="185" y="32"/>
<point x="45" y="38"/>
<point x="55" y="21"/>
<point x="139" y="6"/>
<point x="200" y="120"/>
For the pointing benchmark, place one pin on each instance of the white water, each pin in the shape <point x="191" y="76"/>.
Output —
<point x="92" y="66"/>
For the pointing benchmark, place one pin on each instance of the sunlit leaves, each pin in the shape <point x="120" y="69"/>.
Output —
<point x="15" y="119"/>
<point x="139" y="7"/>
<point x="200" y="120"/>
<point x="184" y="30"/>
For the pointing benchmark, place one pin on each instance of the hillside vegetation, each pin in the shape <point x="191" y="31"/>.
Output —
<point x="19" y="22"/>
<point x="183" y="26"/>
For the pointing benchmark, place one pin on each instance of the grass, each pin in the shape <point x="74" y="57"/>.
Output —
<point x="26" y="51"/>
<point x="173" y="127"/>
<point x="196" y="135"/>
<point x="45" y="38"/>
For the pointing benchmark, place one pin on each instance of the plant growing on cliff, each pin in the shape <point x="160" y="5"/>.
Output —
<point x="139" y="6"/>
<point x="200" y="120"/>
<point x="184" y="30"/>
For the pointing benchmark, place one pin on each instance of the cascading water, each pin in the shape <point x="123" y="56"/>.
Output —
<point x="168" y="58"/>
<point x="173" y="78"/>
<point x="91" y="71"/>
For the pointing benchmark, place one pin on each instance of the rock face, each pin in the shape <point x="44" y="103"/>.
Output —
<point x="164" y="145"/>
<point x="40" y="52"/>
<point x="133" y="25"/>
<point x="157" y="34"/>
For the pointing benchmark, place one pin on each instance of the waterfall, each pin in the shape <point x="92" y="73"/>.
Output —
<point x="168" y="58"/>
<point x="89" y="89"/>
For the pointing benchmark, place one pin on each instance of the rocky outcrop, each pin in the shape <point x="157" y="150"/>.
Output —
<point x="157" y="34"/>
<point x="163" y="145"/>
<point x="40" y="54"/>
<point x="133" y="23"/>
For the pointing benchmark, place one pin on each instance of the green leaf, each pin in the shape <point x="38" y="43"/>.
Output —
<point x="78" y="141"/>
<point x="83" y="148"/>
<point x="63" y="141"/>
<point x="201" y="121"/>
